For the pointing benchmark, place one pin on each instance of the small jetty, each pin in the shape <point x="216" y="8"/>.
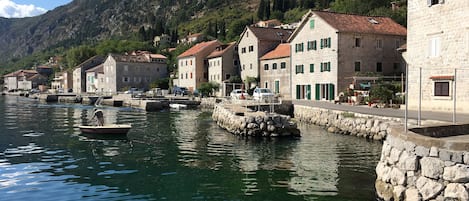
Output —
<point x="120" y="100"/>
<point x="243" y="121"/>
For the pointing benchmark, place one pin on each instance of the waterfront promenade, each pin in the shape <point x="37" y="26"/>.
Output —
<point x="387" y="112"/>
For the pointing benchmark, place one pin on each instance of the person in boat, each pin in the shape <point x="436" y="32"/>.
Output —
<point x="99" y="115"/>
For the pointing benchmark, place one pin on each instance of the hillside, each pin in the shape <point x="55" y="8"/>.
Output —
<point x="88" y="21"/>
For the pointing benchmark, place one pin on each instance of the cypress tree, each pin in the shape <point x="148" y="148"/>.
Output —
<point x="267" y="10"/>
<point x="261" y="10"/>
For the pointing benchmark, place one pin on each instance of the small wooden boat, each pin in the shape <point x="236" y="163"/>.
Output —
<point x="106" y="129"/>
<point x="177" y="106"/>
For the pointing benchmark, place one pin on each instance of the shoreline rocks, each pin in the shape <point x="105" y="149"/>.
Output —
<point x="243" y="122"/>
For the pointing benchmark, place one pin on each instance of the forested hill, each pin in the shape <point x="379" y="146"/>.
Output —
<point x="90" y="22"/>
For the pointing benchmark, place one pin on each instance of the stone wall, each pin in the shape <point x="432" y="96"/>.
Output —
<point x="361" y="125"/>
<point x="417" y="167"/>
<point x="243" y="122"/>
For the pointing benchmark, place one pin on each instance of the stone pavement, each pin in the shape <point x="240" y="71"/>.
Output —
<point x="461" y="118"/>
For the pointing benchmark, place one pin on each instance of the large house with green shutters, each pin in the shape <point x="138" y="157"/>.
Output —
<point x="330" y="50"/>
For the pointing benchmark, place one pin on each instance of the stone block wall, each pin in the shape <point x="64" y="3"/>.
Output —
<point x="415" y="167"/>
<point x="255" y="124"/>
<point x="361" y="125"/>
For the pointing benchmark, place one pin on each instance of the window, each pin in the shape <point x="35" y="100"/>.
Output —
<point x="357" y="66"/>
<point x="310" y="45"/>
<point x="182" y="76"/>
<point x="396" y="67"/>
<point x="244" y="67"/>
<point x="243" y="50"/>
<point x="379" y="44"/>
<point x="283" y="65"/>
<point x="442" y="88"/>
<point x="299" y="69"/>
<point x="311" y="68"/>
<point x="266" y="66"/>
<point x="379" y="67"/>
<point x="251" y="48"/>
<point x="435" y="47"/>
<point x="191" y="75"/>
<point x="358" y="42"/>
<point x="125" y="79"/>
<point x="315" y="45"/>
<point x="274" y="66"/>
<point x="126" y="68"/>
<point x="299" y="47"/>
<point x="311" y="24"/>
<point x="250" y="66"/>
<point x="325" y="66"/>
<point x="434" y="2"/>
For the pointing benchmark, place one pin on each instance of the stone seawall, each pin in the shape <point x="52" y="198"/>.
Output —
<point x="362" y="125"/>
<point x="244" y="122"/>
<point x="417" y="167"/>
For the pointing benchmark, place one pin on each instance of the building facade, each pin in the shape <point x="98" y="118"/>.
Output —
<point x="275" y="71"/>
<point x="122" y="72"/>
<point x="328" y="50"/>
<point x="254" y="43"/>
<point x="95" y="79"/>
<point x="222" y="64"/>
<point x="193" y="64"/>
<point x="437" y="55"/>
<point x="79" y="73"/>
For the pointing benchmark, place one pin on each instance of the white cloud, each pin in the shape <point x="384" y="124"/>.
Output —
<point x="10" y="9"/>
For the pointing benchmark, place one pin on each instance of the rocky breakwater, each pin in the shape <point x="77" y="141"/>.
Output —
<point x="346" y="123"/>
<point x="415" y="166"/>
<point x="244" y="122"/>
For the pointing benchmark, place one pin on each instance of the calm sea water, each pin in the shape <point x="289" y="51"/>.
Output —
<point x="171" y="155"/>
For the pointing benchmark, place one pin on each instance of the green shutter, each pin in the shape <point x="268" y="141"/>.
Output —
<point x="297" y="92"/>
<point x="331" y="92"/>
<point x="311" y="68"/>
<point x="329" y="66"/>
<point x="308" y="92"/>
<point x="277" y="86"/>
<point x="322" y="67"/>
<point x="322" y="43"/>
<point x="329" y="42"/>
<point x="311" y="24"/>
<point x="318" y="88"/>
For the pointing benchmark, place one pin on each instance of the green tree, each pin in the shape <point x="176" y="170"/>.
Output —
<point x="78" y="55"/>
<point x="261" y="10"/>
<point x="207" y="88"/>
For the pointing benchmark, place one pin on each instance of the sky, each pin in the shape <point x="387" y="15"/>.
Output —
<point x="28" y="8"/>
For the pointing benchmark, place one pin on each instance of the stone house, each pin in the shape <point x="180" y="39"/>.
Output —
<point x="437" y="55"/>
<point x="79" y="73"/>
<point x="222" y="64"/>
<point x="328" y="50"/>
<point x="63" y="80"/>
<point x="254" y="42"/>
<point x="275" y="70"/>
<point x="23" y="80"/>
<point x="95" y="79"/>
<point x="193" y="64"/>
<point x="269" y="23"/>
<point x="122" y="72"/>
<point x="192" y="38"/>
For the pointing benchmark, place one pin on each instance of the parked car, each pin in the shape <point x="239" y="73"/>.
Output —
<point x="239" y="94"/>
<point x="154" y="92"/>
<point x="262" y="94"/>
<point x="180" y="91"/>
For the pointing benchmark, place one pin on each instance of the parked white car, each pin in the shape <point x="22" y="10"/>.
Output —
<point x="238" y="94"/>
<point x="262" y="94"/>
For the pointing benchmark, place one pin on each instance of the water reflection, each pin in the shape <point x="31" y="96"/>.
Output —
<point x="170" y="155"/>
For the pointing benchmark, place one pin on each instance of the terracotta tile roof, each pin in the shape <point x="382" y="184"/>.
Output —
<point x="220" y="50"/>
<point x="281" y="51"/>
<point x="271" y="34"/>
<point x="21" y="73"/>
<point x="362" y="24"/>
<point x="197" y="48"/>
<point x="157" y="56"/>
